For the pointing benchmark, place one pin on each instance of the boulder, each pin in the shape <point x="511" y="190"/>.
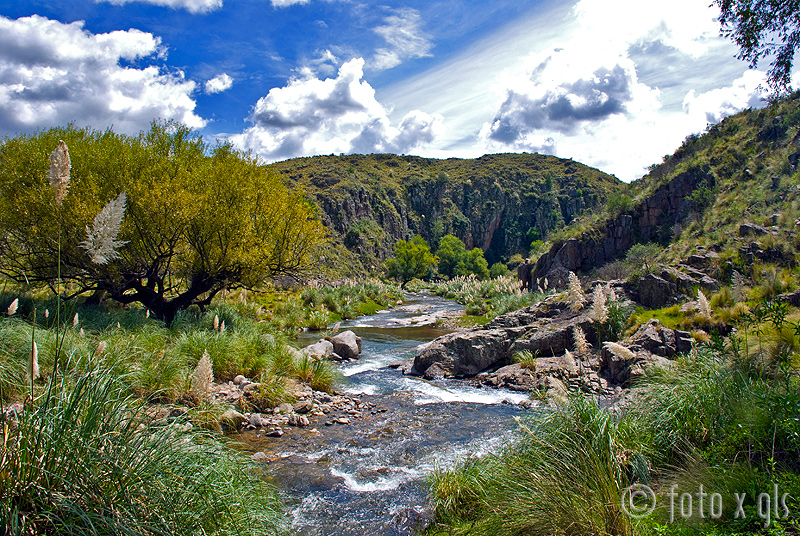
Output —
<point x="655" y="291"/>
<point x="462" y="354"/>
<point x="747" y="229"/>
<point x="651" y="345"/>
<point x="346" y="344"/>
<point x="303" y="406"/>
<point x="233" y="419"/>
<point x="322" y="348"/>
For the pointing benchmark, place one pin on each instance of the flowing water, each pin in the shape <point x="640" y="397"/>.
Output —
<point x="368" y="477"/>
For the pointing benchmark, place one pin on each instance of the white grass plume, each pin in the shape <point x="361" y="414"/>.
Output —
<point x="575" y="295"/>
<point x="739" y="284"/>
<point x="58" y="173"/>
<point x="32" y="371"/>
<point x="12" y="309"/>
<point x="599" y="312"/>
<point x="75" y="320"/>
<point x="203" y="377"/>
<point x="101" y="239"/>
<point x="620" y="351"/>
<point x="581" y="344"/>
<point x="703" y="305"/>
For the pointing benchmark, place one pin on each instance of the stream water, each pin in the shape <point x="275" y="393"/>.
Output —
<point x="368" y="477"/>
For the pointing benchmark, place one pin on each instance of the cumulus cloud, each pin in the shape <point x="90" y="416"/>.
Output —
<point x="559" y="105"/>
<point x="402" y="31"/>
<point x="714" y="105"/>
<point x="53" y="73"/>
<point x="620" y="92"/>
<point x="336" y="115"/>
<point x="219" y="83"/>
<point x="192" y="6"/>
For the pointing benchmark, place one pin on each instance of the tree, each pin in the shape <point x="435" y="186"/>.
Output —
<point x="451" y="251"/>
<point x="411" y="259"/>
<point x="198" y="219"/>
<point x="764" y="28"/>
<point x="454" y="259"/>
<point x="475" y="263"/>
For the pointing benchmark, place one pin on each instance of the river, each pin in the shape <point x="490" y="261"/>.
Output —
<point x="368" y="477"/>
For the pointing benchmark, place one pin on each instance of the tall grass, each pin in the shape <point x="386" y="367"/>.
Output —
<point x="563" y="475"/>
<point x="716" y="418"/>
<point x="490" y="297"/>
<point x="86" y="459"/>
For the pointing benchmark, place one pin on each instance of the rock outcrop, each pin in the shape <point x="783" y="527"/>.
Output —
<point x="665" y="207"/>
<point x="544" y="329"/>
<point x="651" y="345"/>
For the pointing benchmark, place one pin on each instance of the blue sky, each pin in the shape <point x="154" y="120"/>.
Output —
<point x="616" y="84"/>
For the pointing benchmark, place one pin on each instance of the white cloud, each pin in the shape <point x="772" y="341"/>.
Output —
<point x="403" y="33"/>
<point x="53" y="73"/>
<point x="615" y="84"/>
<point x="714" y="105"/>
<point x="287" y="3"/>
<point x="219" y="83"/>
<point x="192" y="6"/>
<point x="337" y="115"/>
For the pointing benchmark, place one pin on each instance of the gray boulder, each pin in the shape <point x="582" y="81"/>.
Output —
<point x="655" y="291"/>
<point x="322" y="348"/>
<point x="652" y="345"/>
<point x="346" y="344"/>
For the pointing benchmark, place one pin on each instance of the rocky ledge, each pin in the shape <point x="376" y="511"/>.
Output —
<point x="485" y="354"/>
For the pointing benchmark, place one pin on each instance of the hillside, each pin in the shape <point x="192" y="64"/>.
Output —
<point x="732" y="191"/>
<point x="500" y="203"/>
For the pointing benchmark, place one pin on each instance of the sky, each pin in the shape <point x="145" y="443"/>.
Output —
<point x="614" y="84"/>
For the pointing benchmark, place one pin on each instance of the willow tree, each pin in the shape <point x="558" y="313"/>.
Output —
<point x="197" y="219"/>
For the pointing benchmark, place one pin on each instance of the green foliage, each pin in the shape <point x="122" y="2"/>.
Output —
<point x="761" y="30"/>
<point x="451" y="252"/>
<point x="619" y="203"/>
<point x="498" y="269"/>
<point x="563" y="475"/>
<point x="526" y="359"/>
<point x="455" y="260"/>
<point x="641" y="259"/>
<point x="411" y="260"/>
<point x="86" y="459"/>
<point x="487" y="298"/>
<point x="198" y="218"/>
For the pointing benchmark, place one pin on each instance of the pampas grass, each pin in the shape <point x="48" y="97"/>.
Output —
<point x="575" y="296"/>
<point x="599" y="312"/>
<point x="58" y="172"/>
<point x="203" y="378"/>
<point x="702" y="304"/>
<point x="101" y="238"/>
<point x="581" y="344"/>
<point x="620" y="351"/>
<point x="12" y="309"/>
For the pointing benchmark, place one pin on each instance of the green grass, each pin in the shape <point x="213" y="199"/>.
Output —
<point x="85" y="458"/>
<point x="726" y="416"/>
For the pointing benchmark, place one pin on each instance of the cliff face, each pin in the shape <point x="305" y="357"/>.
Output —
<point x="651" y="220"/>
<point x="499" y="203"/>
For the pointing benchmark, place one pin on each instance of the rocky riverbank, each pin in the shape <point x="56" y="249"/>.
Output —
<point x="485" y="355"/>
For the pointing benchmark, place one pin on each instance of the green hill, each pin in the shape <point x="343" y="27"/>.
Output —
<point x="500" y="203"/>
<point x="732" y="191"/>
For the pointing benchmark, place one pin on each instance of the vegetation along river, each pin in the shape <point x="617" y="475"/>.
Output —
<point x="368" y="477"/>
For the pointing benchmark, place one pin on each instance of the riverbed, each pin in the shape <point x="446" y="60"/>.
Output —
<point x="367" y="477"/>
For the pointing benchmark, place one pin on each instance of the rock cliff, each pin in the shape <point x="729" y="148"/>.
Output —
<point x="651" y="220"/>
<point x="499" y="203"/>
